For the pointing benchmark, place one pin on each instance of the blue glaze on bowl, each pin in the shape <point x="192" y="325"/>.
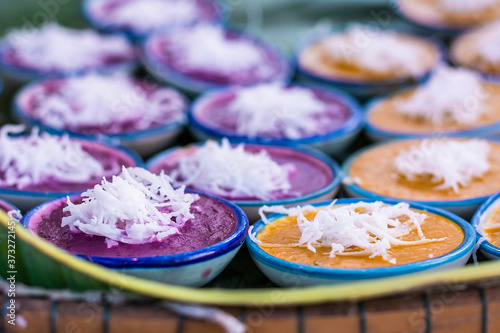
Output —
<point x="194" y="268"/>
<point x="377" y="134"/>
<point x="464" y="208"/>
<point x="194" y="86"/>
<point x="289" y="274"/>
<point x="7" y="206"/>
<point x="483" y="213"/>
<point x="251" y="207"/>
<point x="221" y="17"/>
<point x="26" y="200"/>
<point x="332" y="143"/>
<point x="145" y="142"/>
<point x="361" y="89"/>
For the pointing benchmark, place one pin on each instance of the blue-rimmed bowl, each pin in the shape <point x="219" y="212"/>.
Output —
<point x="18" y="75"/>
<point x="7" y="206"/>
<point x="220" y="15"/>
<point x="288" y="274"/>
<point x="332" y="143"/>
<point x="195" y="86"/>
<point x="377" y="133"/>
<point x="26" y="200"/>
<point x="464" y="208"/>
<point x="145" y="142"/>
<point x="193" y="268"/>
<point x="251" y="207"/>
<point x="361" y="89"/>
<point x="484" y="213"/>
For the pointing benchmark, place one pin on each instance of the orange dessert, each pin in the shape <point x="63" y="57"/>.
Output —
<point x="361" y="54"/>
<point x="429" y="170"/>
<point x="286" y="237"/>
<point x="492" y="228"/>
<point x="479" y="49"/>
<point x="452" y="100"/>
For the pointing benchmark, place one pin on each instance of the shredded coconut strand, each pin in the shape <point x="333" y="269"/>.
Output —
<point x="56" y="48"/>
<point x="446" y="97"/>
<point x="357" y="229"/>
<point x="487" y="43"/>
<point x="274" y="108"/>
<point x="466" y="6"/>
<point x="450" y="163"/>
<point x="376" y="51"/>
<point x="108" y="101"/>
<point x="136" y="207"/>
<point x="233" y="172"/>
<point x="40" y="157"/>
<point x="207" y="47"/>
<point x="159" y="13"/>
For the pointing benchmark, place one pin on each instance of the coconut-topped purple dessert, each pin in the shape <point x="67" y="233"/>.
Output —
<point x="57" y="50"/>
<point x="250" y="174"/>
<point x="136" y="214"/>
<point x="277" y="113"/>
<point x="117" y="106"/>
<point x="207" y="56"/>
<point x="42" y="166"/>
<point x="140" y="17"/>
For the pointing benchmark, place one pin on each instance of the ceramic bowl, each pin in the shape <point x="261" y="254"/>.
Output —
<point x="332" y="143"/>
<point x="483" y="213"/>
<point x="7" y="206"/>
<point x="219" y="15"/>
<point x="359" y="89"/>
<point x="145" y="142"/>
<point x="26" y="200"/>
<point x="289" y="274"/>
<point x="464" y="208"/>
<point x="195" y="86"/>
<point x="194" y="268"/>
<point x="375" y="133"/>
<point x="251" y="207"/>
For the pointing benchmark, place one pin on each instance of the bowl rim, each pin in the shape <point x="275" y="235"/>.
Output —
<point x="194" y="85"/>
<point x="133" y="156"/>
<point x="315" y="154"/>
<point x="434" y="203"/>
<point x="8" y="205"/>
<point x="352" y="125"/>
<point x="220" y="16"/>
<point x="313" y="37"/>
<point x="365" y="273"/>
<point x="230" y="243"/>
<point x="372" y="129"/>
<point x="19" y="113"/>
<point x="476" y="220"/>
<point x="30" y="74"/>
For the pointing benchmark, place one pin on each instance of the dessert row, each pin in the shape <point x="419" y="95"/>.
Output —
<point x="182" y="216"/>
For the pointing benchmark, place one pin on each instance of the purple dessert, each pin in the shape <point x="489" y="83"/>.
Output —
<point x="46" y="163"/>
<point x="56" y="50"/>
<point x="137" y="214"/>
<point x="211" y="56"/>
<point x="246" y="172"/>
<point x="272" y="111"/>
<point x="100" y="104"/>
<point x="139" y="17"/>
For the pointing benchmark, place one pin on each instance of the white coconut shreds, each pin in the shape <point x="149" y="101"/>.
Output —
<point x="275" y="108"/>
<point x="466" y="6"/>
<point x="56" y="48"/>
<point x="362" y="228"/>
<point x="376" y="51"/>
<point x="135" y="207"/>
<point x="159" y="13"/>
<point x="206" y="47"/>
<point x="450" y="95"/>
<point x="232" y="172"/>
<point x="450" y="163"/>
<point x="34" y="159"/>
<point x="110" y="101"/>
<point x="487" y="43"/>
